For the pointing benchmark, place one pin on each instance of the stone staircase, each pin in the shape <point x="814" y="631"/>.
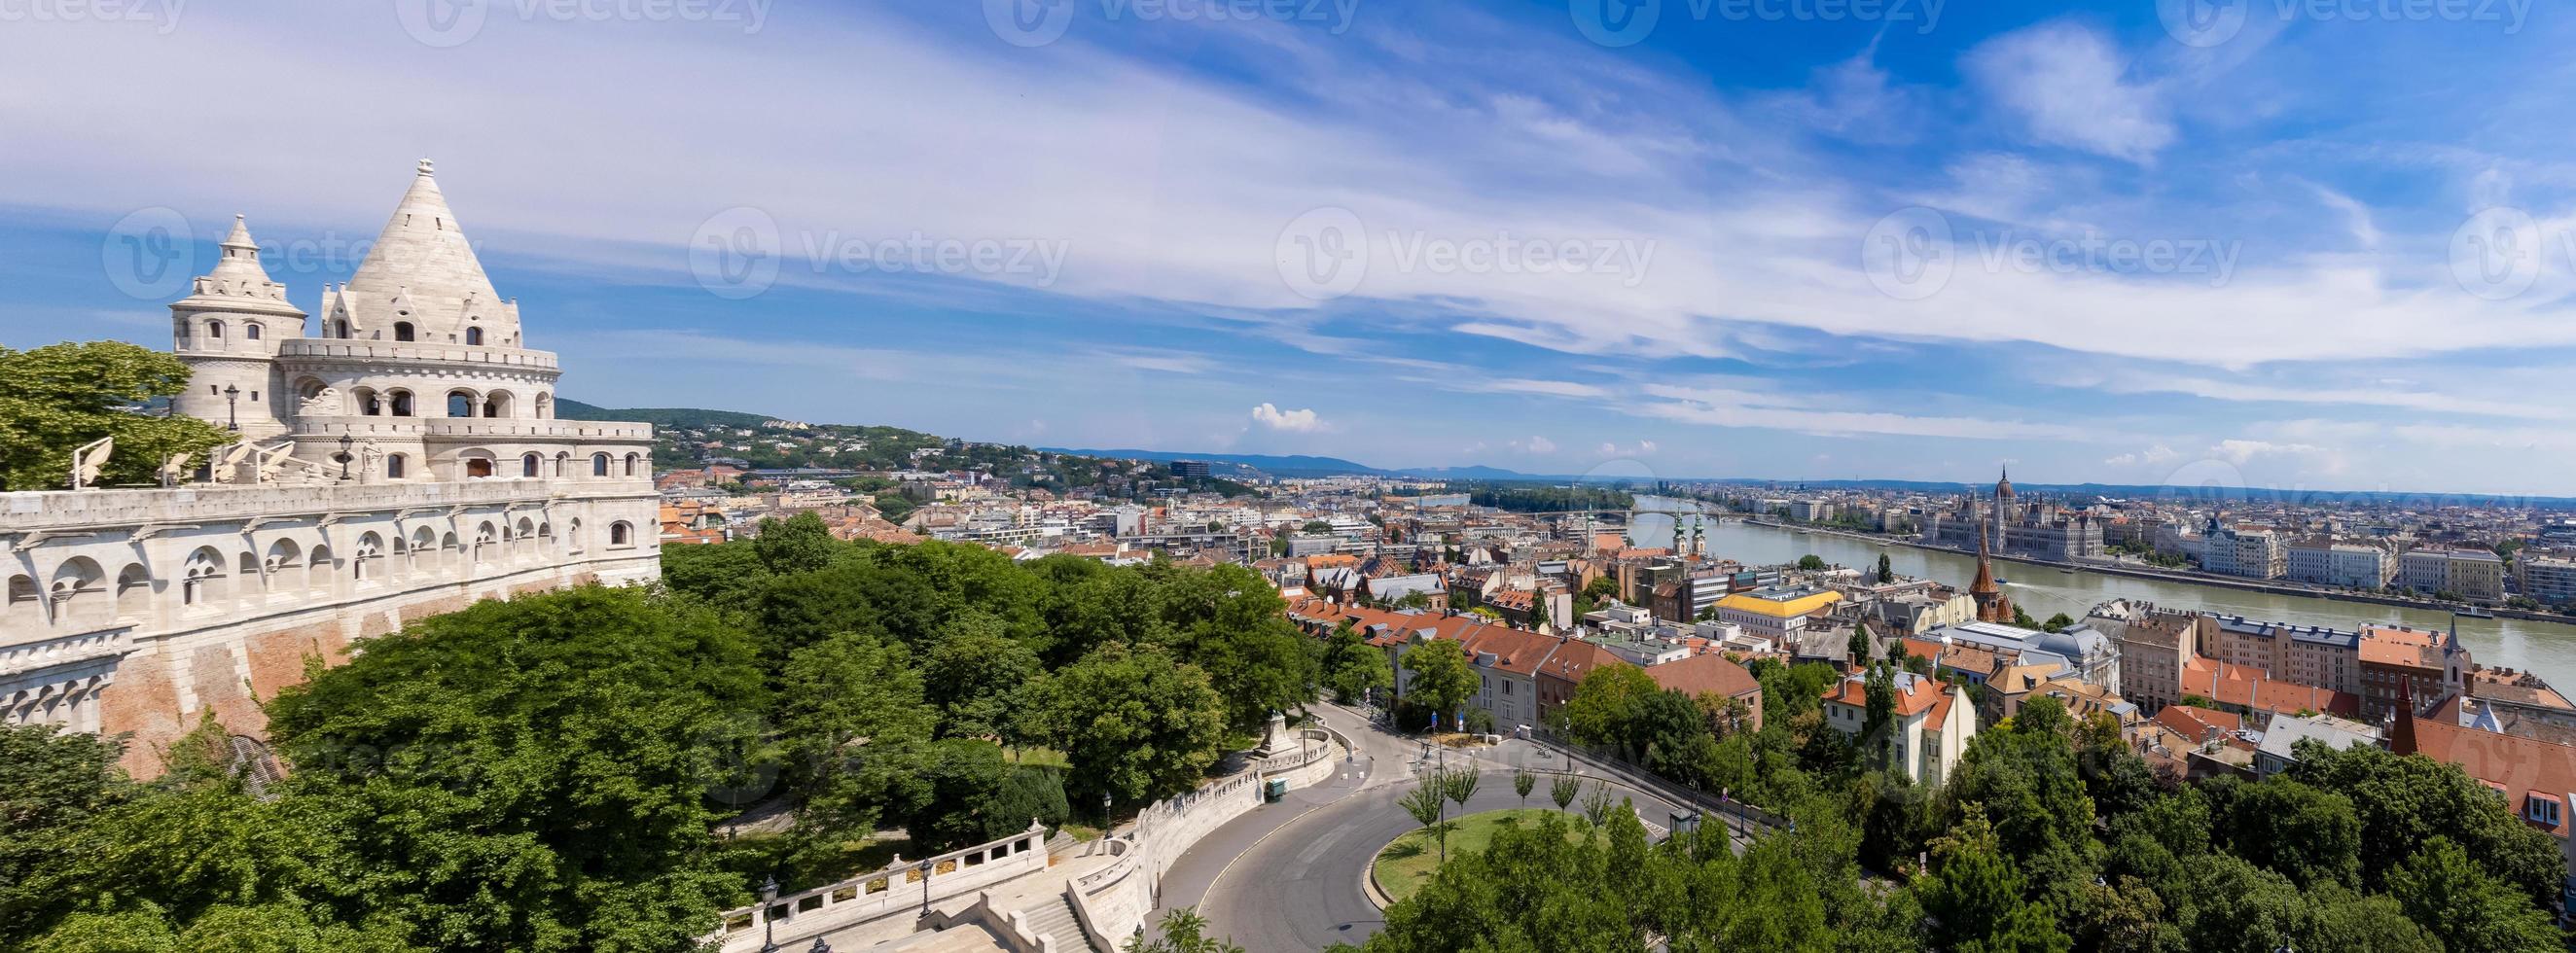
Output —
<point x="1056" y="919"/>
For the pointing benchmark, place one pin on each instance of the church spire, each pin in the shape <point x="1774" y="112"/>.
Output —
<point x="423" y="257"/>
<point x="1992" y="604"/>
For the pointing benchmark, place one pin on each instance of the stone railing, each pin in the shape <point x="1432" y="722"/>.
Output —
<point x="362" y="427"/>
<point x="66" y="649"/>
<point x="411" y="352"/>
<point x="125" y="509"/>
<point x="793" y="919"/>
<point x="1111" y="903"/>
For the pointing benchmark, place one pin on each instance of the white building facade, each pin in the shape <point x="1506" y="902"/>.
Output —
<point x="404" y="463"/>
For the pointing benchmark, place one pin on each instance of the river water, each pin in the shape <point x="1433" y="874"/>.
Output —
<point x="2548" y="648"/>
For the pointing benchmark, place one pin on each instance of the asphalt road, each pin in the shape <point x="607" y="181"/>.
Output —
<point x="1288" y="877"/>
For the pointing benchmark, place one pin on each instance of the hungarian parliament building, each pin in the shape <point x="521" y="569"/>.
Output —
<point x="2013" y="528"/>
<point x="399" y="458"/>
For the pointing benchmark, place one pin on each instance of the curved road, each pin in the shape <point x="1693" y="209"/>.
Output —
<point x="1288" y="877"/>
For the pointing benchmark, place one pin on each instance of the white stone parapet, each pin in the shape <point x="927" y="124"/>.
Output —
<point x="477" y="427"/>
<point x="135" y="508"/>
<point x="415" y="352"/>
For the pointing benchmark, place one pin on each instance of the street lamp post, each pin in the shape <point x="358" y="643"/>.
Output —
<point x="768" y="925"/>
<point x="925" y="888"/>
<point x="232" y="407"/>
<point x="345" y="442"/>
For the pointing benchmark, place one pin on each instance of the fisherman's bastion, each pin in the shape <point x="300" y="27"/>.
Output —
<point x="399" y="458"/>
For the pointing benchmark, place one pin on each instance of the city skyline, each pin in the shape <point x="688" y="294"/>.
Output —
<point x="1234" y="236"/>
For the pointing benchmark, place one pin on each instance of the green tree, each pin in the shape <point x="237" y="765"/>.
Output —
<point x="1352" y="667"/>
<point x="1183" y="931"/>
<point x="1136" y="724"/>
<point x="1886" y="570"/>
<point x="982" y="681"/>
<point x="799" y="543"/>
<point x="1428" y="805"/>
<point x="1442" y="679"/>
<point x="1811" y="562"/>
<point x="1563" y="790"/>
<point x="1522" y="783"/>
<point x="52" y="783"/>
<point x="532" y="774"/>
<point x="1859" y="647"/>
<point x="1605" y="705"/>
<point x="2467" y="908"/>
<point x="60" y="397"/>
<point x="2058" y="623"/>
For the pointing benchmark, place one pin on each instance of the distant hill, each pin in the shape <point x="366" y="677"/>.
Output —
<point x="681" y="417"/>
<point x="1277" y="466"/>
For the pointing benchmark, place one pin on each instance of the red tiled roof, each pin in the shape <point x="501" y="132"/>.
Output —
<point x="1705" y="674"/>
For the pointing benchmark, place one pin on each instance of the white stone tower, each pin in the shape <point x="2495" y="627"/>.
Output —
<point x="421" y="282"/>
<point x="227" y="331"/>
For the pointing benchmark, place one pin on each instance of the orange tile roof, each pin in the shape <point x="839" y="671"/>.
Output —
<point x="2518" y="767"/>
<point x="1705" y="674"/>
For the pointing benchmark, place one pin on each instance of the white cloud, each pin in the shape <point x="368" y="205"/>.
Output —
<point x="2071" y="87"/>
<point x="1293" y="421"/>
<point x="1642" y="448"/>
<point x="1534" y="445"/>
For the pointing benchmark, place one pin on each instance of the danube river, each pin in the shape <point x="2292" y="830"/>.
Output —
<point x="2548" y="648"/>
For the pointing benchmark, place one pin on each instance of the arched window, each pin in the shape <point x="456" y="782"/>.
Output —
<point x="574" y="537"/>
<point x="631" y="461"/>
<point x="460" y="403"/>
<point x="370" y="546"/>
<point x="251" y="331"/>
<point x="620" y="534"/>
<point x="545" y="406"/>
<point x="477" y="467"/>
<point x="599" y="464"/>
<point x="473" y="335"/>
<point x="215" y="329"/>
<point x="394" y="467"/>
<point x="200" y="577"/>
<point x="498" y="404"/>
<point x="368" y="404"/>
<point x="528" y="465"/>
<point x="133" y="592"/>
<point x="340" y="329"/>
<point x="402" y="331"/>
<point x="563" y="464"/>
<point x="401" y="400"/>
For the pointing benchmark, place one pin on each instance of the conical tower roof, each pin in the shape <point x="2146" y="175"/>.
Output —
<point x="422" y="270"/>
<point x="238" y="282"/>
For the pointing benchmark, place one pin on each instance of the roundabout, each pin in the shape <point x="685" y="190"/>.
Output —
<point x="1408" y="862"/>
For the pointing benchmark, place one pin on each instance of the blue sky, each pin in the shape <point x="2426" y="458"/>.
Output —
<point x="2269" y="242"/>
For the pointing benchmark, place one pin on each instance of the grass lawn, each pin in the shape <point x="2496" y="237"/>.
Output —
<point x="1405" y="864"/>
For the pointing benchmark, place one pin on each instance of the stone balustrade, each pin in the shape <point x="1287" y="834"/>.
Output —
<point x="792" y="919"/>
<point x="365" y="427"/>
<point x="415" y="352"/>
<point x="125" y="509"/>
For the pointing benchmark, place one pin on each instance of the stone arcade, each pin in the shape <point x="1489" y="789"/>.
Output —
<point x="404" y="463"/>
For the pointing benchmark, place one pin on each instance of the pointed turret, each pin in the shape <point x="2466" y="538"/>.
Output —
<point x="423" y="272"/>
<point x="226" y="330"/>
<point x="1992" y="604"/>
<point x="2401" y="737"/>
